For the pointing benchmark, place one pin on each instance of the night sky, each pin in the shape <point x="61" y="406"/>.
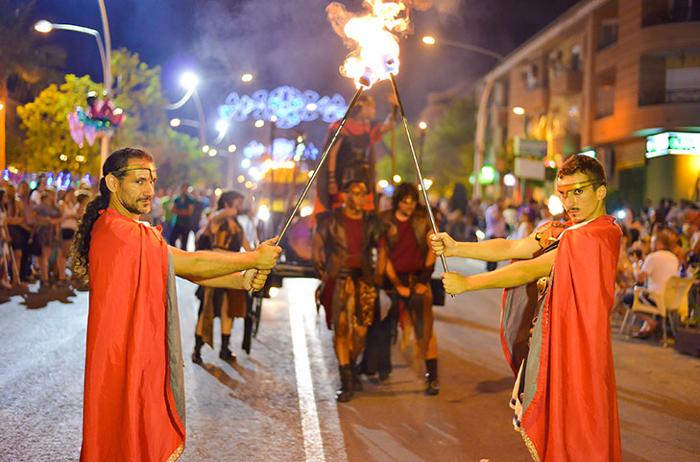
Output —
<point x="289" y="42"/>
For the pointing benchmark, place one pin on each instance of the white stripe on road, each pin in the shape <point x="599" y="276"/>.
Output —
<point x="310" y="427"/>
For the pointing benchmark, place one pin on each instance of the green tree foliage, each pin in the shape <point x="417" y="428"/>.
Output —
<point x="138" y="92"/>
<point x="448" y="150"/>
<point x="45" y="123"/>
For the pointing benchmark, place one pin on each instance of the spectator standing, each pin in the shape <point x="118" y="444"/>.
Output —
<point x="183" y="209"/>
<point x="495" y="226"/>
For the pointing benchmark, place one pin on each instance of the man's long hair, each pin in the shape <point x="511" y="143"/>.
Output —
<point x="81" y="242"/>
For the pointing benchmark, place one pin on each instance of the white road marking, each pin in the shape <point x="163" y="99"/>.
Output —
<point x="310" y="426"/>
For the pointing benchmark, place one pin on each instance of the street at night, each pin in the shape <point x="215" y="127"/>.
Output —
<point x="250" y="409"/>
<point x="355" y="230"/>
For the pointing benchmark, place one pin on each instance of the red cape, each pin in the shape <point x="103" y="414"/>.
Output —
<point x="570" y="402"/>
<point x="129" y="409"/>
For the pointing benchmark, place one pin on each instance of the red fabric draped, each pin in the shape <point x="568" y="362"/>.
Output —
<point x="573" y="414"/>
<point x="129" y="410"/>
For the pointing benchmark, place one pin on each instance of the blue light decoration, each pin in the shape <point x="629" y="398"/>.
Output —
<point x="290" y="106"/>
<point x="282" y="149"/>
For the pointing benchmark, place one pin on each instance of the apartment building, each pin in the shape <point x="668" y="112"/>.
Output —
<point x="618" y="79"/>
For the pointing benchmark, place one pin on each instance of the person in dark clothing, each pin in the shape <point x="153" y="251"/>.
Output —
<point x="352" y="156"/>
<point x="409" y="265"/>
<point x="342" y="253"/>
<point x="183" y="209"/>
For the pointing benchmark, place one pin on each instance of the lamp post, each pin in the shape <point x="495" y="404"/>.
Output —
<point x="105" y="50"/>
<point x="423" y="126"/>
<point x="483" y="102"/>
<point x="189" y="81"/>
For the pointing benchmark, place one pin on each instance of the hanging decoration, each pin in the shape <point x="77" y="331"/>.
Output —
<point x="100" y="118"/>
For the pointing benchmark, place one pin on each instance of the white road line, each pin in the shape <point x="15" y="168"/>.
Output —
<point x="310" y="426"/>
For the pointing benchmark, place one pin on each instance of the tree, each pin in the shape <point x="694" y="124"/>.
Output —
<point x="22" y="58"/>
<point x="138" y="92"/>
<point x="45" y="123"/>
<point x="448" y="150"/>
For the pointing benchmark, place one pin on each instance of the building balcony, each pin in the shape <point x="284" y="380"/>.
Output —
<point x="566" y="83"/>
<point x="676" y="95"/>
<point x="661" y="14"/>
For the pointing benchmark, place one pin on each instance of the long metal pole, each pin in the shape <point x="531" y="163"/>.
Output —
<point x="104" y="142"/>
<point x="320" y="164"/>
<point x="417" y="166"/>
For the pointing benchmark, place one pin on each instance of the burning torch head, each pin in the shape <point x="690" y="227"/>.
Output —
<point x="373" y="36"/>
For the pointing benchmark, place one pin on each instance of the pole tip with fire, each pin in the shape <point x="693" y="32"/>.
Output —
<point x="376" y="57"/>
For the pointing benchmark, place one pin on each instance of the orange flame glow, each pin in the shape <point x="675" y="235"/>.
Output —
<point x="374" y="37"/>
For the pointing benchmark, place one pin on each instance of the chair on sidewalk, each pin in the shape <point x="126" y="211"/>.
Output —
<point x="673" y="298"/>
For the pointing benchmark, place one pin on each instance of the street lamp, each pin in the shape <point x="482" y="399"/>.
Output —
<point x="432" y="40"/>
<point x="483" y="101"/>
<point x="190" y="81"/>
<point x="177" y="122"/>
<point x="247" y="77"/>
<point x="44" y="27"/>
<point x="105" y="50"/>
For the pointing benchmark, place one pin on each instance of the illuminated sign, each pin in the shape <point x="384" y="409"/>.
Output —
<point x="674" y="143"/>
<point x="529" y="148"/>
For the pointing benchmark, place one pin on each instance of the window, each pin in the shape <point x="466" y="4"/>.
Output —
<point x="667" y="11"/>
<point x="669" y="77"/>
<point x="605" y="94"/>
<point x="608" y="33"/>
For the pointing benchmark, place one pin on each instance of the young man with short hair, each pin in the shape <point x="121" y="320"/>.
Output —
<point x="564" y="399"/>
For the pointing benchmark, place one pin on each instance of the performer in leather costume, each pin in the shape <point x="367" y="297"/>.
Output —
<point x="222" y="234"/>
<point x="409" y="266"/>
<point x="352" y="157"/>
<point x="343" y="245"/>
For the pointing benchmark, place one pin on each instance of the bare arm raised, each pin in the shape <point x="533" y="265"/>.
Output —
<point x="499" y="249"/>
<point x="202" y="265"/>
<point x="248" y="280"/>
<point x="513" y="275"/>
<point x="490" y="250"/>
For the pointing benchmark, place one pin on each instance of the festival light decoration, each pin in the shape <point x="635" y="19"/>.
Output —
<point x="100" y="118"/>
<point x="288" y="105"/>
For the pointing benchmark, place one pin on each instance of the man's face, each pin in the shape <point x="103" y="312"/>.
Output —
<point x="355" y="197"/>
<point x="23" y="189"/>
<point x="407" y="205"/>
<point x="369" y="110"/>
<point x="581" y="196"/>
<point x="234" y="205"/>
<point x="184" y="188"/>
<point x="136" y="186"/>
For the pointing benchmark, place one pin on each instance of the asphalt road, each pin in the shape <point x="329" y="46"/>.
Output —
<point x="278" y="403"/>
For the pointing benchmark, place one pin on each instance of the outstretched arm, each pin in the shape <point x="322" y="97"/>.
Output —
<point x="249" y="280"/>
<point x="204" y="264"/>
<point x="513" y="275"/>
<point x="490" y="250"/>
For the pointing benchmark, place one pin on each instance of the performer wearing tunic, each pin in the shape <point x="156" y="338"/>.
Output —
<point x="408" y="270"/>
<point x="342" y="252"/>
<point x="222" y="234"/>
<point x="134" y="397"/>
<point x="565" y="398"/>
<point x="352" y="157"/>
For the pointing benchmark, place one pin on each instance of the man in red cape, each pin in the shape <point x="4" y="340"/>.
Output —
<point x="565" y="398"/>
<point x="134" y="395"/>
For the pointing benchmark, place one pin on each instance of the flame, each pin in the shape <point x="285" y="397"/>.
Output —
<point x="374" y="36"/>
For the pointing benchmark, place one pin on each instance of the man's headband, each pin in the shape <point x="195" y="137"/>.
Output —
<point x="123" y="171"/>
<point x="581" y="184"/>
